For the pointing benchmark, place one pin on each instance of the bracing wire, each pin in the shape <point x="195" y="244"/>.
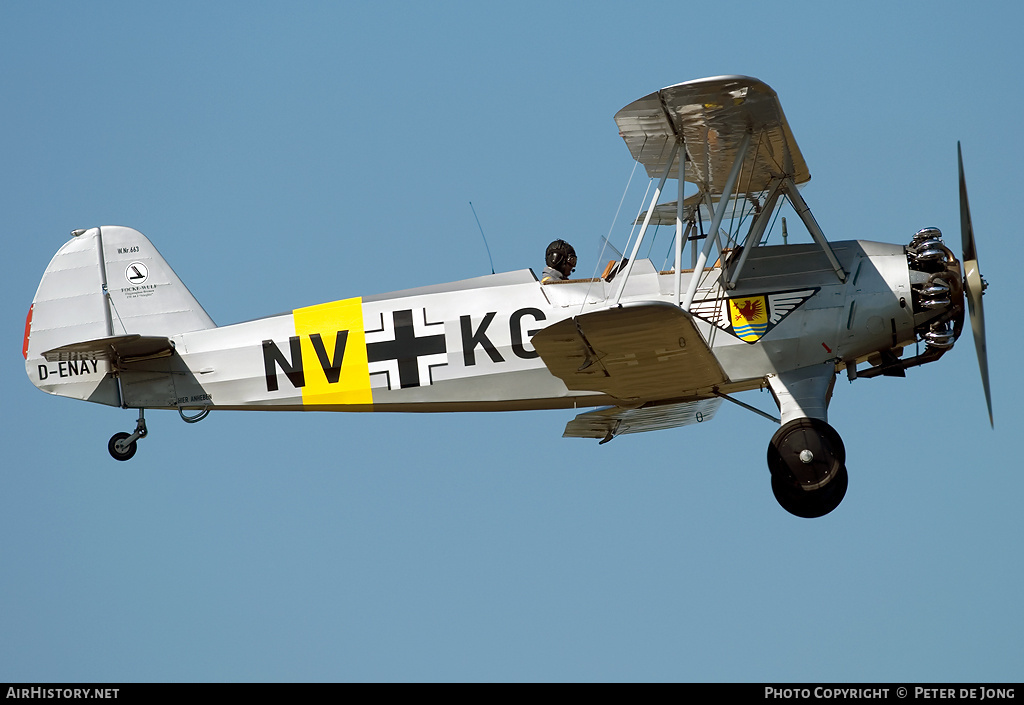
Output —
<point x="636" y="219"/>
<point x="606" y="241"/>
<point x="653" y="238"/>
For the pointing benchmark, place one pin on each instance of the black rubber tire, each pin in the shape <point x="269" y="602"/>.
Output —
<point x="814" y="486"/>
<point x="811" y="504"/>
<point x="112" y="447"/>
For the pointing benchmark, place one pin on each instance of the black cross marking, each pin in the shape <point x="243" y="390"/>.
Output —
<point x="406" y="348"/>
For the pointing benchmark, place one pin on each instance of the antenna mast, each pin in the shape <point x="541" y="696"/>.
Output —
<point x="483" y="236"/>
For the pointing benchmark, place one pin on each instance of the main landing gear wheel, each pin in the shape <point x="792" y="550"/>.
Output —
<point x="119" y="450"/>
<point x="806" y="458"/>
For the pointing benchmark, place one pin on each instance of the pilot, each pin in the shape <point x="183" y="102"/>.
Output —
<point x="560" y="259"/>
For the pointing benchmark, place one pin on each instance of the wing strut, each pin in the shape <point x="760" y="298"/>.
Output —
<point x="804" y="211"/>
<point x="756" y="230"/>
<point x="748" y="407"/>
<point x="680" y="237"/>
<point x="730" y="183"/>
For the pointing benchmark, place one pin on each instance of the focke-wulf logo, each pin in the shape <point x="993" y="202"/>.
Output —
<point x="136" y="273"/>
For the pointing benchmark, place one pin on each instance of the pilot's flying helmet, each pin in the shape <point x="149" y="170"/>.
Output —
<point x="561" y="256"/>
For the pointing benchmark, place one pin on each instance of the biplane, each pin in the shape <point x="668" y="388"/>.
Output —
<point x="641" y="348"/>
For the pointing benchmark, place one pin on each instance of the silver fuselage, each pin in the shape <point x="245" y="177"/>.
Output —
<point x="465" y="346"/>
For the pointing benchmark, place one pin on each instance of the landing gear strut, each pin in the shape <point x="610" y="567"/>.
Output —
<point x="806" y="458"/>
<point x="122" y="446"/>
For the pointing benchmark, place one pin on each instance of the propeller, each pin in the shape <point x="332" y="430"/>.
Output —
<point x="974" y="285"/>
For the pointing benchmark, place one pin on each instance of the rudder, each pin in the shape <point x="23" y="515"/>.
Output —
<point x="106" y="281"/>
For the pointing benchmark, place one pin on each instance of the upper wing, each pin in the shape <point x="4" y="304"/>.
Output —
<point x="712" y="115"/>
<point x="635" y="353"/>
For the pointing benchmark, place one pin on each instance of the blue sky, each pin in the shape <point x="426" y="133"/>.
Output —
<point x="282" y="156"/>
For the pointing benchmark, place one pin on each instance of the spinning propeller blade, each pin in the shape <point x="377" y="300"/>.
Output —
<point x="974" y="284"/>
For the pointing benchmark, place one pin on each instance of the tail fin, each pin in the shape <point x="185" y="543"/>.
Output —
<point x="104" y="282"/>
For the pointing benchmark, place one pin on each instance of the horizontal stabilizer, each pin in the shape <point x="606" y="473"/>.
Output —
<point x="649" y="351"/>
<point x="118" y="349"/>
<point x="614" y="420"/>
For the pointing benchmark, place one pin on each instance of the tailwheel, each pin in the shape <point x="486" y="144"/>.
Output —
<point x="119" y="450"/>
<point x="122" y="446"/>
<point x="806" y="458"/>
